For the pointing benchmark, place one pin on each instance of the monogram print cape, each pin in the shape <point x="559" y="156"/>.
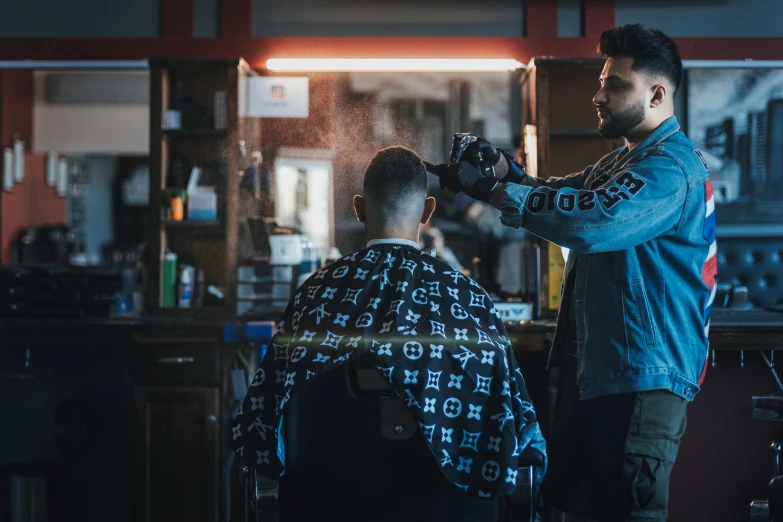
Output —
<point x="434" y="335"/>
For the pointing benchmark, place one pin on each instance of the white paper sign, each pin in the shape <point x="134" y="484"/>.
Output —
<point x="278" y="97"/>
<point x="51" y="169"/>
<point x="62" y="177"/>
<point x="8" y="169"/>
<point x="18" y="161"/>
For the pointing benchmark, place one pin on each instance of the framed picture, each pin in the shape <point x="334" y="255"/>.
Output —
<point x="735" y="118"/>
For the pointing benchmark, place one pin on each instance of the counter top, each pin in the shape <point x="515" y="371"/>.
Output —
<point x="114" y="322"/>
<point x="755" y="318"/>
<point x="729" y="329"/>
<point x="197" y="317"/>
<point x="720" y="318"/>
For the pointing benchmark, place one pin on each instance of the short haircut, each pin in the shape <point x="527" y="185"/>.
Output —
<point x="394" y="180"/>
<point x="652" y="51"/>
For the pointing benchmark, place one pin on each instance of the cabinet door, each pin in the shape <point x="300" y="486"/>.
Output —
<point x="177" y="451"/>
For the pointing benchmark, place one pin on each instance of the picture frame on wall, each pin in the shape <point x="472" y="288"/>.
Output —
<point x="734" y="116"/>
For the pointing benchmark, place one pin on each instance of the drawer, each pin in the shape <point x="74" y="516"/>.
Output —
<point x="163" y="362"/>
<point x="14" y="360"/>
<point x="75" y="361"/>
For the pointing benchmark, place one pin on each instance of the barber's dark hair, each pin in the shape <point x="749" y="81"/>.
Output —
<point x="652" y="51"/>
<point x="394" y="176"/>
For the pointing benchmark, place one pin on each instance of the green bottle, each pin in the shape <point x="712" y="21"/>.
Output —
<point x="168" y="286"/>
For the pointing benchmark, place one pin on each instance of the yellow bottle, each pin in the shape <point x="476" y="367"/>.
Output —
<point x="177" y="209"/>
<point x="555" y="274"/>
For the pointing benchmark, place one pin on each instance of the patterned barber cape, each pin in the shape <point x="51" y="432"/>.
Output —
<point x="434" y="334"/>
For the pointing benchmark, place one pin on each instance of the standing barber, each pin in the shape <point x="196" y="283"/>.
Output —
<point x="631" y="341"/>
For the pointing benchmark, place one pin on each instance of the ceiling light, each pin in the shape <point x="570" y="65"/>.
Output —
<point x="391" y="64"/>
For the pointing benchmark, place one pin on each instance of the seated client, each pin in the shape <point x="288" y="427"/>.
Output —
<point x="432" y="333"/>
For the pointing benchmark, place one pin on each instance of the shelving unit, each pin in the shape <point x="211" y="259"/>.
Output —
<point x="206" y="92"/>
<point x="560" y="137"/>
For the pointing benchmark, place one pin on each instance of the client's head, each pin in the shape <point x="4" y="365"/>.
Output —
<point x="395" y="201"/>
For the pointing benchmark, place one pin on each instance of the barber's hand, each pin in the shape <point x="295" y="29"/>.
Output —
<point x="475" y="150"/>
<point x="464" y="177"/>
<point x="484" y="156"/>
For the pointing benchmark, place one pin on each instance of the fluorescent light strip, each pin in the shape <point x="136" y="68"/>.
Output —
<point x="391" y="64"/>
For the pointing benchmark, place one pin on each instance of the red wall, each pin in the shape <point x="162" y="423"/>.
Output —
<point x="30" y="202"/>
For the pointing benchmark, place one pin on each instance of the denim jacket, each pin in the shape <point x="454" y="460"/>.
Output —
<point x="640" y="279"/>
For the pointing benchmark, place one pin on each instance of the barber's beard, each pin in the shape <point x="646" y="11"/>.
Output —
<point x="620" y="124"/>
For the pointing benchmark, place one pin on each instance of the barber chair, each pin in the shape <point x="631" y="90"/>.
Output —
<point x="750" y="272"/>
<point x="751" y="277"/>
<point x="353" y="453"/>
<point x="770" y="509"/>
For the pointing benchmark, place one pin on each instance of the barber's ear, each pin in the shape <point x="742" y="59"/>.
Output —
<point x="658" y="95"/>
<point x="429" y="208"/>
<point x="358" y="208"/>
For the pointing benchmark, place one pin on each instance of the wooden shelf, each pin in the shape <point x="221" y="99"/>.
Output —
<point x="212" y="245"/>
<point x="556" y="102"/>
<point x="191" y="224"/>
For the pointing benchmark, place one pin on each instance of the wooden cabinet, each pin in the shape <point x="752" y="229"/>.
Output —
<point x="196" y="125"/>
<point x="558" y="116"/>
<point x="178" y="423"/>
<point x="560" y="136"/>
<point x="178" y="465"/>
<point x="128" y="418"/>
<point x="166" y="361"/>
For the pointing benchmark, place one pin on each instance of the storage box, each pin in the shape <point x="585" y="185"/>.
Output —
<point x="202" y="204"/>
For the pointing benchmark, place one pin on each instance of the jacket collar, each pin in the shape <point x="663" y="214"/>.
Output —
<point x="664" y="130"/>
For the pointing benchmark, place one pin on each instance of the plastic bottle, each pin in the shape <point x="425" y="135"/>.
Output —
<point x="200" y="282"/>
<point x="177" y="209"/>
<point x="169" y="280"/>
<point x="306" y="265"/>
<point x="186" y="286"/>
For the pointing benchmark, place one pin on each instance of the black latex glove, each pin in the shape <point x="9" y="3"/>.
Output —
<point x="464" y="177"/>
<point x="481" y="154"/>
<point x="474" y="149"/>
